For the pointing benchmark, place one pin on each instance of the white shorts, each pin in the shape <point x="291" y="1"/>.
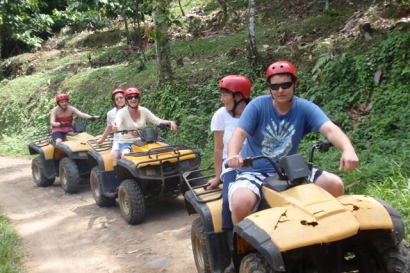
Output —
<point x="250" y="180"/>
<point x="254" y="180"/>
<point x="114" y="145"/>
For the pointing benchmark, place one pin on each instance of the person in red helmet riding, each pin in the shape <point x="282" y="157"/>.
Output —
<point x="61" y="118"/>
<point x="235" y="93"/>
<point x="117" y="97"/>
<point x="273" y="125"/>
<point x="134" y="116"/>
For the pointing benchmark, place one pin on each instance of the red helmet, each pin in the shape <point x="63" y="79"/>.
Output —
<point x="60" y="97"/>
<point x="281" y="67"/>
<point x="116" y="91"/>
<point x="235" y="84"/>
<point x="130" y="91"/>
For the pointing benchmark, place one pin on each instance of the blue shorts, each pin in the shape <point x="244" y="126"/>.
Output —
<point x="57" y="135"/>
<point x="123" y="146"/>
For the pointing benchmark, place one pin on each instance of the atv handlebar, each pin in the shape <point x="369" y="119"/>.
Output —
<point x="64" y="123"/>
<point x="323" y="146"/>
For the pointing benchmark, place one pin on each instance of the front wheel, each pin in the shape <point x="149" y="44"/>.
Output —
<point x="37" y="170"/>
<point x="69" y="176"/>
<point x="131" y="201"/>
<point x="96" y="188"/>
<point x="200" y="246"/>
<point x="255" y="263"/>
<point x="392" y="258"/>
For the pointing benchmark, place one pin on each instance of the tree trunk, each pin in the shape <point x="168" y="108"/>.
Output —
<point x="127" y="31"/>
<point x="163" y="54"/>
<point x="253" y="52"/>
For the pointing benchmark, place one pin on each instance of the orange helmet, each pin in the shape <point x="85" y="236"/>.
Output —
<point x="236" y="84"/>
<point x="60" y="97"/>
<point x="116" y="91"/>
<point x="131" y="90"/>
<point x="281" y="67"/>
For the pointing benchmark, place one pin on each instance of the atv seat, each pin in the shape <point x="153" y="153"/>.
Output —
<point x="274" y="183"/>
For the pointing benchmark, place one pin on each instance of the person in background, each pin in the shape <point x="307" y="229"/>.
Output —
<point x="61" y="118"/>
<point x="134" y="116"/>
<point x="273" y="125"/>
<point x="235" y="93"/>
<point x="117" y="97"/>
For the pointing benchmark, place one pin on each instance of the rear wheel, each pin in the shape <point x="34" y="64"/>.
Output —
<point x="69" y="176"/>
<point x="200" y="246"/>
<point x="96" y="189"/>
<point x="131" y="201"/>
<point x="37" y="170"/>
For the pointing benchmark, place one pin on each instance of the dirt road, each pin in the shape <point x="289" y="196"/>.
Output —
<point x="69" y="233"/>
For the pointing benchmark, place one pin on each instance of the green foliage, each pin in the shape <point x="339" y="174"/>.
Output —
<point x="11" y="250"/>
<point x="22" y="21"/>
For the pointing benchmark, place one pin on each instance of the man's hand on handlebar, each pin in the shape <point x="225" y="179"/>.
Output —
<point x="234" y="162"/>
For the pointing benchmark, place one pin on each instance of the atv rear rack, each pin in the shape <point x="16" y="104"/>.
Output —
<point x="202" y="191"/>
<point x="41" y="139"/>
<point x="105" y="146"/>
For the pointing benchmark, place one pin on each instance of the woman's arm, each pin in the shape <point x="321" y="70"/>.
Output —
<point x="218" y="154"/>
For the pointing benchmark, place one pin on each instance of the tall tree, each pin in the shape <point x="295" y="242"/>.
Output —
<point x="252" y="49"/>
<point x="163" y="20"/>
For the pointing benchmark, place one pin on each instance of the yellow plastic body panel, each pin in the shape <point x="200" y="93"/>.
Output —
<point x="48" y="152"/>
<point x="369" y="212"/>
<point x="106" y="156"/>
<point x="307" y="215"/>
<point x="154" y="159"/>
<point x="78" y="143"/>
<point x="214" y="207"/>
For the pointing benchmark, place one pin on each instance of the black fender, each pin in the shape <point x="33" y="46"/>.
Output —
<point x="126" y="169"/>
<point x="399" y="228"/>
<point x="109" y="178"/>
<point x="218" y="250"/>
<point x="50" y="168"/>
<point x="261" y="241"/>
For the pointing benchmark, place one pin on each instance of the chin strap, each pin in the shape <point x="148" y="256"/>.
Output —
<point x="235" y="104"/>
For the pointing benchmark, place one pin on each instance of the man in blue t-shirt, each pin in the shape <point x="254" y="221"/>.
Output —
<point x="273" y="125"/>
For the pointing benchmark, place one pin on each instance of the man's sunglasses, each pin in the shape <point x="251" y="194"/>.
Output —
<point x="284" y="85"/>
<point x="130" y="97"/>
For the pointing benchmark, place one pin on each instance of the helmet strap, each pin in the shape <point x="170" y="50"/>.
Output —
<point x="235" y="104"/>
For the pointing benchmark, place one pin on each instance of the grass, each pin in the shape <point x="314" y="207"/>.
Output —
<point x="11" y="250"/>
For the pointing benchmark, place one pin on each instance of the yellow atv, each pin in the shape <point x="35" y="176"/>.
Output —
<point x="151" y="172"/>
<point x="299" y="227"/>
<point x="67" y="160"/>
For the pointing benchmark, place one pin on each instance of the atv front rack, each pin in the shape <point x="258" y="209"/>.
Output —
<point x="157" y="151"/>
<point x="163" y="162"/>
<point x="41" y="139"/>
<point x="200" y="193"/>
